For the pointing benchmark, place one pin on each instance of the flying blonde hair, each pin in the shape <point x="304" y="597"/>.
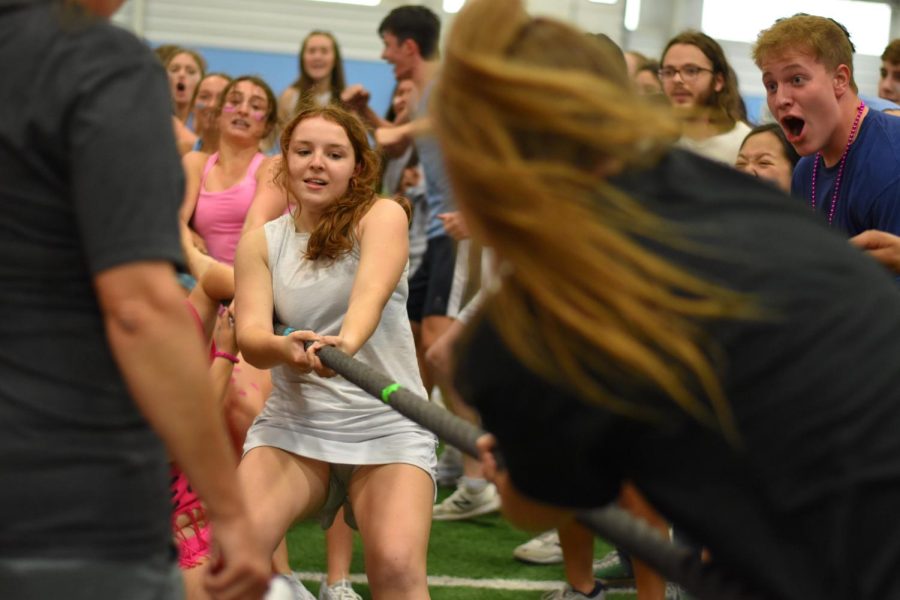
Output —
<point x="532" y="116"/>
<point x="826" y="40"/>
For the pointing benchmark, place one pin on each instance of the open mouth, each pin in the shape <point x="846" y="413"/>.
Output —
<point x="793" y="126"/>
<point x="241" y="123"/>
<point x="315" y="181"/>
<point x="180" y="87"/>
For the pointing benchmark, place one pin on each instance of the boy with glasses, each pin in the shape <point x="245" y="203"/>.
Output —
<point x="702" y="88"/>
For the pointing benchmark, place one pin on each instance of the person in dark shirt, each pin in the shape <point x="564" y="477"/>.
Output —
<point x="99" y="356"/>
<point x="668" y="321"/>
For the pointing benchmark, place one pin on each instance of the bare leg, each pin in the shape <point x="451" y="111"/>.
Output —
<point x="392" y="505"/>
<point x="338" y="549"/>
<point x="577" y="544"/>
<point x="433" y="327"/>
<point x="456" y="405"/>
<point x="425" y="334"/>
<point x="473" y="496"/>
<point x="244" y="399"/>
<point x="650" y="585"/>
<point x="439" y="358"/>
<point x="280" y="559"/>
<point x="193" y="583"/>
<point x="280" y="489"/>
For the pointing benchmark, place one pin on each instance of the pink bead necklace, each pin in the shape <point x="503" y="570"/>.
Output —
<point x="840" y="174"/>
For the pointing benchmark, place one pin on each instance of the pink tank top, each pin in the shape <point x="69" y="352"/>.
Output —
<point x="219" y="216"/>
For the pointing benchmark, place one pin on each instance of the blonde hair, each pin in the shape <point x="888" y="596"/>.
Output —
<point x="529" y="112"/>
<point x="891" y="52"/>
<point x="304" y="83"/>
<point x="826" y="40"/>
<point x="171" y="52"/>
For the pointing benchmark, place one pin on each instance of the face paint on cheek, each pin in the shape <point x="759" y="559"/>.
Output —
<point x="258" y="115"/>
<point x="229" y="108"/>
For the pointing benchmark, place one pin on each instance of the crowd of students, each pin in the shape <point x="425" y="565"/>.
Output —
<point x="645" y="323"/>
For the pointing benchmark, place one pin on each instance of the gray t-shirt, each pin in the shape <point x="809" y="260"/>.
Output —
<point x="89" y="179"/>
<point x="437" y="185"/>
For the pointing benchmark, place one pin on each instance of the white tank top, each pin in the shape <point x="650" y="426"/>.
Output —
<point x="339" y="422"/>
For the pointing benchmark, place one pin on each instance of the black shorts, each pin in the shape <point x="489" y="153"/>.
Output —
<point x="440" y="285"/>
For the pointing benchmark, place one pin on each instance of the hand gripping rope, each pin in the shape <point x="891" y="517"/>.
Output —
<point x="674" y="562"/>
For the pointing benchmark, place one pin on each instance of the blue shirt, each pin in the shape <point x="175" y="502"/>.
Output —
<point x="437" y="186"/>
<point x="869" y="195"/>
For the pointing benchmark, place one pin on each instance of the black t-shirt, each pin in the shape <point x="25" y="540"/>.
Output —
<point x="807" y="508"/>
<point x="89" y="179"/>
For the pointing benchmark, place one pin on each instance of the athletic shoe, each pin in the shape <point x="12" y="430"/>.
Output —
<point x="449" y="466"/>
<point x="567" y="592"/>
<point x="279" y="589"/>
<point x="288" y="586"/>
<point x="342" y="590"/>
<point x="463" y="504"/>
<point x="613" y="571"/>
<point x="541" y="550"/>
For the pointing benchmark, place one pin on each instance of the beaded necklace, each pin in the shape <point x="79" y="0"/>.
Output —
<point x="837" y="180"/>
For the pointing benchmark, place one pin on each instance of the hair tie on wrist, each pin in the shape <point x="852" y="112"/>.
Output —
<point x="226" y="356"/>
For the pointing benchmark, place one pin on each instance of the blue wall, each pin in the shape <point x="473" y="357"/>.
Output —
<point x="754" y="106"/>
<point x="280" y="70"/>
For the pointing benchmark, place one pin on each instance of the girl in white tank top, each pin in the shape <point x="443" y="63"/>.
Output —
<point x="335" y="270"/>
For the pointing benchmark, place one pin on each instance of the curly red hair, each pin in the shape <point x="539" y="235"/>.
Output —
<point x="335" y="233"/>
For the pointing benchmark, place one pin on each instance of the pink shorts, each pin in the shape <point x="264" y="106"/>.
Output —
<point x="192" y="538"/>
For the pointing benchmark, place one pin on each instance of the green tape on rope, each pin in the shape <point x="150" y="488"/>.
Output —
<point x="386" y="392"/>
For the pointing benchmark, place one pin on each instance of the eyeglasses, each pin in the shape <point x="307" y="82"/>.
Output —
<point x="687" y="72"/>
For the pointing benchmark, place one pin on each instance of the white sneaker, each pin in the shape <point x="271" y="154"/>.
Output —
<point x="541" y="550"/>
<point x="449" y="466"/>
<point x="463" y="504"/>
<point x="279" y="589"/>
<point x="284" y="587"/>
<point x="567" y="592"/>
<point x="342" y="590"/>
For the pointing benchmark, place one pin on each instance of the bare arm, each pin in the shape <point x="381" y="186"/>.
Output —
<point x="287" y="102"/>
<point x="162" y="361"/>
<point x="270" y="199"/>
<point x="218" y="282"/>
<point x="455" y="225"/>
<point x="193" y="163"/>
<point x="161" y="356"/>
<point x="255" y="307"/>
<point x="395" y="139"/>
<point x="373" y="119"/>
<point x="384" y="250"/>
<point x="222" y="367"/>
<point x="184" y="137"/>
<point x="880" y="245"/>
<point x="356" y="98"/>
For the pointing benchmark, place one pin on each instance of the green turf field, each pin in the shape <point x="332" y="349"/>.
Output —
<point x="479" y="550"/>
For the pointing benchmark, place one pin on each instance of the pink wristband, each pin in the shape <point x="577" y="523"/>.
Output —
<point x="226" y="356"/>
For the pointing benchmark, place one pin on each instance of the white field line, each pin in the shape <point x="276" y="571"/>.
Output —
<point x="447" y="581"/>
